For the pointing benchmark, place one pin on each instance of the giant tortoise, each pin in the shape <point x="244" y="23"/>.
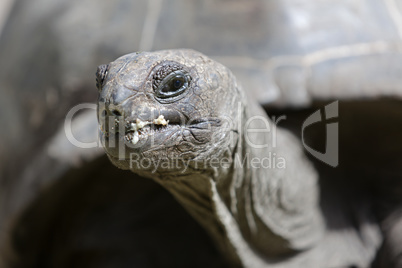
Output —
<point x="66" y="206"/>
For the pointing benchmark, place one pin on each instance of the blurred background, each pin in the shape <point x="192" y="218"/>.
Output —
<point x="62" y="206"/>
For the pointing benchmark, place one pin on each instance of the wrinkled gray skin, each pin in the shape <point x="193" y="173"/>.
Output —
<point x="291" y="53"/>
<point x="255" y="214"/>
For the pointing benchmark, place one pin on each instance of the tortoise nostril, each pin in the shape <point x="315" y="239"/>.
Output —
<point x="111" y="111"/>
<point x="116" y="112"/>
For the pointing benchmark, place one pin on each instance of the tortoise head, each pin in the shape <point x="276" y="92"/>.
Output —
<point x="173" y="106"/>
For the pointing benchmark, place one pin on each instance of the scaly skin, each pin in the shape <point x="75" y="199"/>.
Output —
<point x="256" y="212"/>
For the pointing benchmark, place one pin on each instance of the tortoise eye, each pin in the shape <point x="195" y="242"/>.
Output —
<point x="173" y="84"/>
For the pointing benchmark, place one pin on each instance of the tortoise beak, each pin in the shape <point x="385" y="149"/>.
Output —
<point x="139" y="124"/>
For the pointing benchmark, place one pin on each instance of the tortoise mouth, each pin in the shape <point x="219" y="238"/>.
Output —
<point x="138" y="129"/>
<point x="138" y="136"/>
<point x="155" y="133"/>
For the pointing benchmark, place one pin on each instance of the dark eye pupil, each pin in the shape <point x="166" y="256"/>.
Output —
<point x="174" y="85"/>
<point x="177" y="83"/>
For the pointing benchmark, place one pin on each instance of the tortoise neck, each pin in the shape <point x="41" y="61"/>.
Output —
<point x="265" y="202"/>
<point x="198" y="195"/>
